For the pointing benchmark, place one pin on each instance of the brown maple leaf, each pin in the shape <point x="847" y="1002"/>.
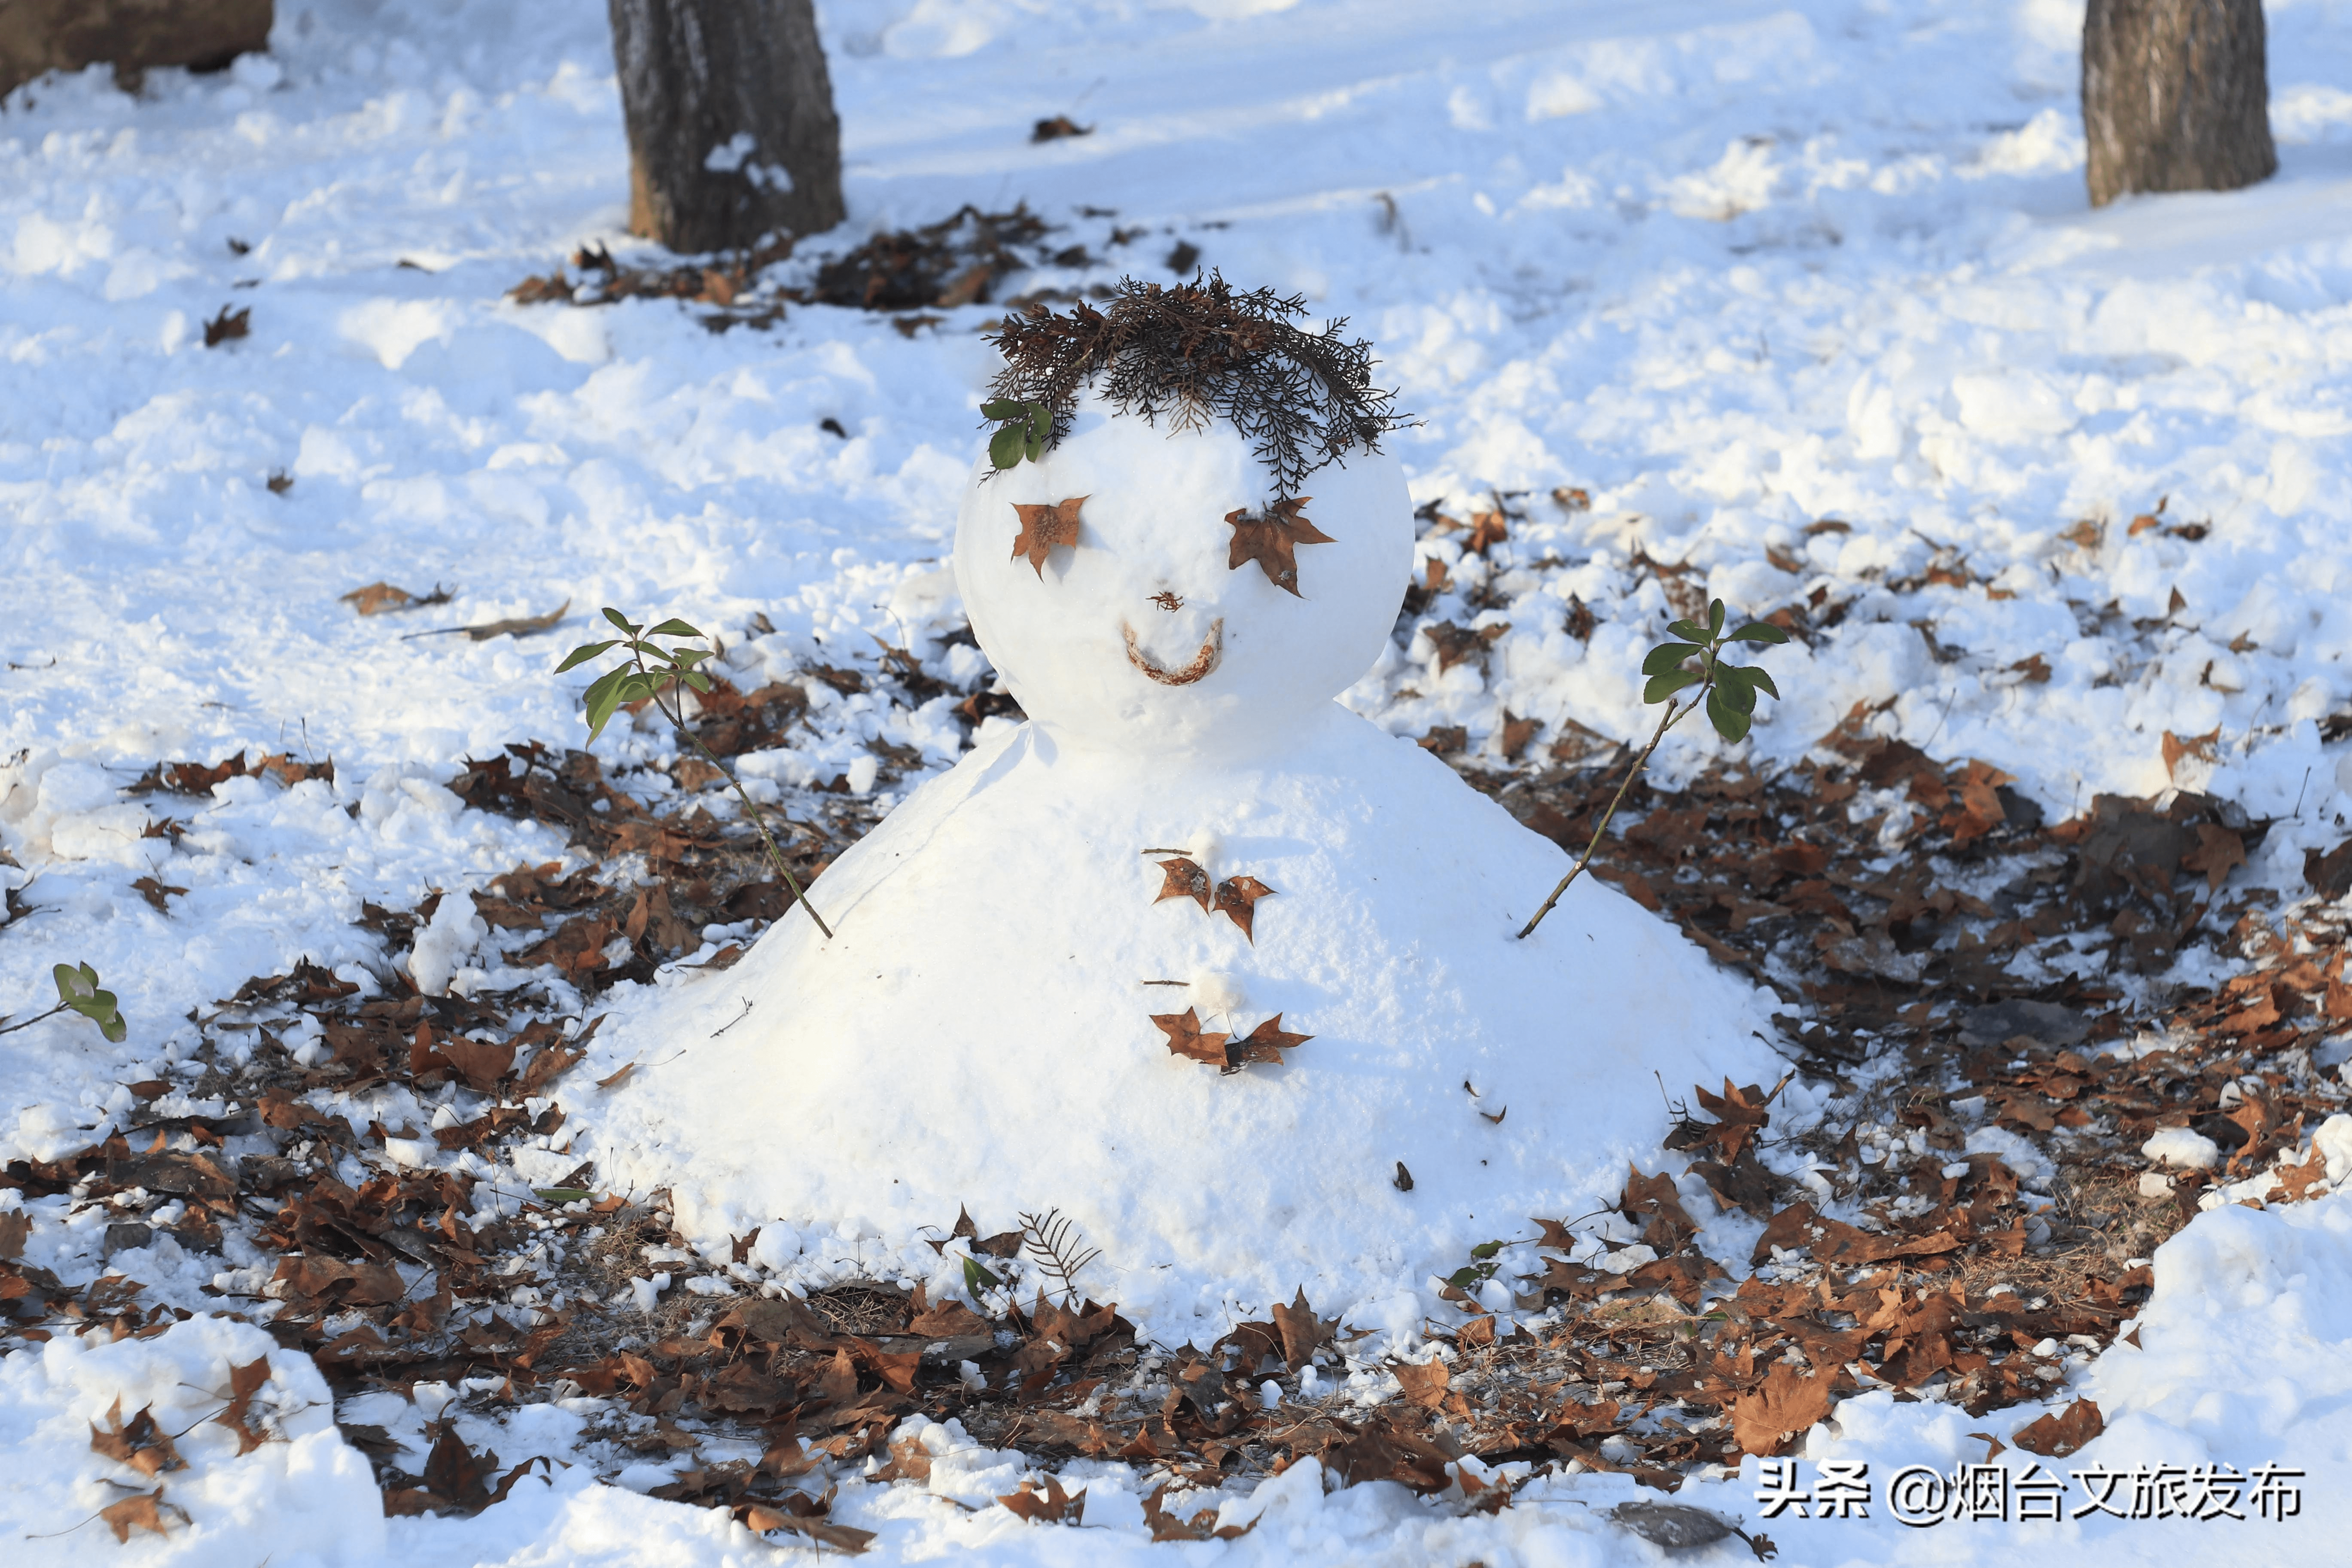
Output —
<point x="1787" y="1402"/>
<point x="1202" y="1526"/>
<point x="2055" y="1437"/>
<point x="1185" y="1039"/>
<point x="142" y="1445"/>
<point x="243" y="1382"/>
<point x="1485" y="528"/>
<point x="1236" y="896"/>
<point x="1303" y="1333"/>
<point x="1739" y="1115"/>
<point x="1270" y="540"/>
<point x="1424" y="1386"/>
<point x="1051" y="1506"/>
<point x="1044" y="527"/>
<point x="376" y="599"/>
<point x="1264" y="1044"/>
<point x="1187" y="881"/>
<point x="143" y="1510"/>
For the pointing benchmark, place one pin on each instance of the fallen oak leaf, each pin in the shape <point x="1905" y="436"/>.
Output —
<point x="1487" y="528"/>
<point x="154" y="893"/>
<point x="142" y="1445"/>
<point x="144" y="1512"/>
<point x="761" y="1519"/>
<point x="1303" y="1333"/>
<point x="221" y="329"/>
<point x="1266" y="1044"/>
<point x="1052" y="1506"/>
<point x="1185" y="880"/>
<point x="1202" y="1526"/>
<point x="1185" y="1039"/>
<point x="618" y="1078"/>
<point x="2059" y="1435"/>
<point x="517" y="626"/>
<point x="1787" y="1402"/>
<point x="376" y="599"/>
<point x="1425" y="1384"/>
<point x="1044" y="528"/>
<point x="243" y="1382"/>
<point x="1236" y="899"/>
<point x="457" y="1476"/>
<point x="1271" y="540"/>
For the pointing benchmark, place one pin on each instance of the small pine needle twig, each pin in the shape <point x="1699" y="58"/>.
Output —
<point x="1059" y="1255"/>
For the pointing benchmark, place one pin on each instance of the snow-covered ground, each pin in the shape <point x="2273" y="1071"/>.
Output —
<point x="1732" y="269"/>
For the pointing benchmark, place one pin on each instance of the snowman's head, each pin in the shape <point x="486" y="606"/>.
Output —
<point x="1146" y="630"/>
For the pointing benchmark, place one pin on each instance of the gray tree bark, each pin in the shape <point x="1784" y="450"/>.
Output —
<point x="2174" y="96"/>
<point x="731" y="130"/>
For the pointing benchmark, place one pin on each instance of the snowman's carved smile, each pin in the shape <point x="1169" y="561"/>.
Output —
<point x="1213" y="648"/>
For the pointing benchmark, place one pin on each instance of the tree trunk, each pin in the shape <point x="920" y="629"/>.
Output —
<point x="38" y="35"/>
<point x="731" y="130"/>
<point x="2175" y="97"/>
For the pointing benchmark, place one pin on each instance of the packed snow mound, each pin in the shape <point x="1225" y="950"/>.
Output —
<point x="1026" y="1008"/>
<point x="302" y="1493"/>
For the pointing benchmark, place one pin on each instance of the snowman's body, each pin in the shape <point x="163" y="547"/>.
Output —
<point x="981" y="1030"/>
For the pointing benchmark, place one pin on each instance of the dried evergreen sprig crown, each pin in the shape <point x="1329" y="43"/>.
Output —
<point x="1201" y="350"/>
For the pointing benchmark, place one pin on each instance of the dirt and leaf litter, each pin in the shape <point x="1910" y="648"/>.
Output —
<point x="1965" y="993"/>
<point x="965" y="259"/>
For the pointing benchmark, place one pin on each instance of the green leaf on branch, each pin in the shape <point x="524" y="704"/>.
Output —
<point x="672" y="628"/>
<point x="585" y="652"/>
<point x="77" y="990"/>
<point x="604" y="699"/>
<point x="1760" y="631"/>
<point x="1689" y="631"/>
<point x="1714" y="618"/>
<point x="976" y="1278"/>
<point x="1665" y="686"/>
<point x="1027" y="427"/>
<point x="622" y="621"/>
<point x="1730" y="722"/>
<point x="1665" y="656"/>
<point x="76" y="983"/>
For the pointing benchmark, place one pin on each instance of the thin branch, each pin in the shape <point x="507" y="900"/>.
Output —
<point x="34" y="1019"/>
<point x="1675" y="711"/>
<point x="676" y="716"/>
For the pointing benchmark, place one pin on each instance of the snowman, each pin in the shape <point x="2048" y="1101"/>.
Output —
<point x="1195" y="955"/>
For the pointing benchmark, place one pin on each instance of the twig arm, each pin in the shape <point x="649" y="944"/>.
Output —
<point x="35" y="1018"/>
<point x="676" y="716"/>
<point x="1673" y="712"/>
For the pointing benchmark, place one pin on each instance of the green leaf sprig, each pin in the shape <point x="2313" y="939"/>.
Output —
<point x="1729" y="688"/>
<point x="651" y="672"/>
<point x="78" y="992"/>
<point x="1728" y="692"/>
<point x="1026" y="427"/>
